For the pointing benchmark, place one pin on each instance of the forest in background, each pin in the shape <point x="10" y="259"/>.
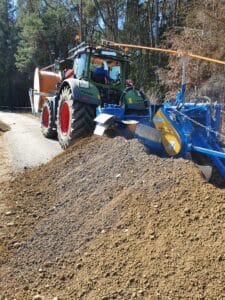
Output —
<point x="36" y="32"/>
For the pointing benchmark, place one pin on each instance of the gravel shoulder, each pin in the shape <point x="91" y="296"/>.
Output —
<point x="24" y="143"/>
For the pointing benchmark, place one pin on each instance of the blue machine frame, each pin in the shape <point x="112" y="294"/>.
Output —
<point x="197" y="124"/>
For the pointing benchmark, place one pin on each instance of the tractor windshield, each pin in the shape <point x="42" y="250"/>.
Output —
<point x="80" y="64"/>
<point x="105" y="70"/>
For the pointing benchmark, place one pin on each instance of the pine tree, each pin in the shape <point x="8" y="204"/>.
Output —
<point x="8" y="42"/>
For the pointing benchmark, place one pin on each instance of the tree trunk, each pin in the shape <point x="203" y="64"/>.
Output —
<point x="149" y="12"/>
<point x="156" y="22"/>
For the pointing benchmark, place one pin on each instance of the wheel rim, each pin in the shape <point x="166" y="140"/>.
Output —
<point x="46" y="117"/>
<point x="64" y="118"/>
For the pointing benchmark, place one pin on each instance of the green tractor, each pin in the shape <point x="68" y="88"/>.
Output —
<point x="93" y="76"/>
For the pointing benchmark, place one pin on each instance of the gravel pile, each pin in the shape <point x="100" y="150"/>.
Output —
<point x="106" y="220"/>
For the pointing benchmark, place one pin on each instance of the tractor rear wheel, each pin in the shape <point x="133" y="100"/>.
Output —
<point x="47" y="121"/>
<point x="74" y="119"/>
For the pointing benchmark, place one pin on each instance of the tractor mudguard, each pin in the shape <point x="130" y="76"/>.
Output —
<point x="134" y="99"/>
<point x="82" y="91"/>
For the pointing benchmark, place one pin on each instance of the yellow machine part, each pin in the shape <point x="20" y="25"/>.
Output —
<point x="169" y="136"/>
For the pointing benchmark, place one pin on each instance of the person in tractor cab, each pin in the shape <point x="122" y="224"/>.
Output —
<point x="100" y="74"/>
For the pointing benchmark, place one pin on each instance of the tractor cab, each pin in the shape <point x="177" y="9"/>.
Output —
<point x="104" y="72"/>
<point x="102" y="68"/>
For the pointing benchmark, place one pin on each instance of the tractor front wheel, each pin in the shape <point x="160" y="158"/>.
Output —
<point x="47" y="121"/>
<point x="74" y="119"/>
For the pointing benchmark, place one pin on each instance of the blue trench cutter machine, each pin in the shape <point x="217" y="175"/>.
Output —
<point x="181" y="129"/>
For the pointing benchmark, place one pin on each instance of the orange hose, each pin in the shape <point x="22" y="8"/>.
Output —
<point x="174" y="52"/>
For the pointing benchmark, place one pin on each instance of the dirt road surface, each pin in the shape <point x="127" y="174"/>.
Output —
<point x="24" y="143"/>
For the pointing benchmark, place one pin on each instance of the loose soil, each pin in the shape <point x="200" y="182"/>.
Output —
<point x="5" y="166"/>
<point x="106" y="220"/>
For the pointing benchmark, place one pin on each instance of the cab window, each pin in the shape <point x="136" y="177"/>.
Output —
<point x="105" y="70"/>
<point x="79" y="66"/>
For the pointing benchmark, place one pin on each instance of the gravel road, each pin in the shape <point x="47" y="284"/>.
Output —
<point x="24" y="143"/>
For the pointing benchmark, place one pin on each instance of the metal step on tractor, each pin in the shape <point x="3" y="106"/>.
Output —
<point x="90" y="91"/>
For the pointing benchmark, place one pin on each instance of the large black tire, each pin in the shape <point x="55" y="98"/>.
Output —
<point x="74" y="119"/>
<point x="47" y="121"/>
